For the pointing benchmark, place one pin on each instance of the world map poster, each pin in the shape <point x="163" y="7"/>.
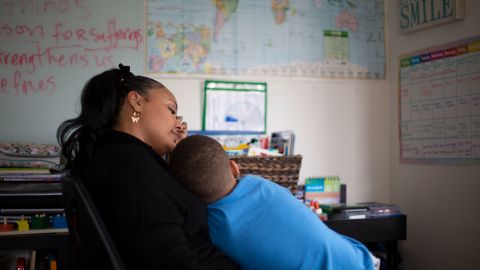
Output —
<point x="274" y="38"/>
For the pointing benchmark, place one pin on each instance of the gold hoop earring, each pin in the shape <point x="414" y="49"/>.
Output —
<point x="135" y="117"/>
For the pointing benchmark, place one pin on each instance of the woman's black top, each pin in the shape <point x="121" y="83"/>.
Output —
<point x="153" y="220"/>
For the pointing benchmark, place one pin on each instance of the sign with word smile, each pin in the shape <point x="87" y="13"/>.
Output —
<point x="420" y="14"/>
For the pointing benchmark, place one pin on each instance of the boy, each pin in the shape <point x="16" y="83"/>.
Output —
<point x="256" y="222"/>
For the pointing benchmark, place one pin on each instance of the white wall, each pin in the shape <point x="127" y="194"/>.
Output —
<point x="341" y="127"/>
<point x="443" y="225"/>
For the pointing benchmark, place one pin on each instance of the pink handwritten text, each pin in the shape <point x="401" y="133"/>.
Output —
<point x="24" y="85"/>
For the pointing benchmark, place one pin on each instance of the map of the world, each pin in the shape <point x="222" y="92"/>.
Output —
<point x="275" y="38"/>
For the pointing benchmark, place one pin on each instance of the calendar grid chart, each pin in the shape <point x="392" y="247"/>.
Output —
<point x="439" y="104"/>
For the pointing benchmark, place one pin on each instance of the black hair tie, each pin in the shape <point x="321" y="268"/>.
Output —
<point x="125" y="70"/>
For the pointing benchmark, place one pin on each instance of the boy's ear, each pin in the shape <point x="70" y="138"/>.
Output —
<point x="234" y="168"/>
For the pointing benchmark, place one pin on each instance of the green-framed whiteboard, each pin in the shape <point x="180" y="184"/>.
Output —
<point x="236" y="106"/>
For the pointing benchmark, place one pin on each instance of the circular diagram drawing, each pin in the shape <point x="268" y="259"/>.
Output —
<point x="243" y="116"/>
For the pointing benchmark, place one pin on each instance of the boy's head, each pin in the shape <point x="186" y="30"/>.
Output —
<point x="202" y="166"/>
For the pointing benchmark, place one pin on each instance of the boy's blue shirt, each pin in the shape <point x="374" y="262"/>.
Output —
<point x="261" y="225"/>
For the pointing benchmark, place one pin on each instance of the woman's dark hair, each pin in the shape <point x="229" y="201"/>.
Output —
<point x="101" y="101"/>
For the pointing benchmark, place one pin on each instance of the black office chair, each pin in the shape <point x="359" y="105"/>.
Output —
<point x="85" y="224"/>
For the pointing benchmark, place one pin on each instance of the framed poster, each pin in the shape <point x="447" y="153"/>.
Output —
<point x="239" y="106"/>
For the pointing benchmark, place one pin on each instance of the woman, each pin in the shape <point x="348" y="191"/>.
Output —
<point x="115" y="145"/>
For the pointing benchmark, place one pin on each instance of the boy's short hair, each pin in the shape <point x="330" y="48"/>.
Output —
<point x="202" y="166"/>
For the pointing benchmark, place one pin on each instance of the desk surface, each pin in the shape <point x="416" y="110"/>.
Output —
<point x="372" y="229"/>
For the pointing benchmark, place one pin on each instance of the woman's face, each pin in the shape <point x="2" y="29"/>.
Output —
<point x="159" y="120"/>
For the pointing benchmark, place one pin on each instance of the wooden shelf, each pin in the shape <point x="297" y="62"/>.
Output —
<point x="34" y="232"/>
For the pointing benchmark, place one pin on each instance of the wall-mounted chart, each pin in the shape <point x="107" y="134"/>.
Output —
<point x="239" y="106"/>
<point x="440" y="104"/>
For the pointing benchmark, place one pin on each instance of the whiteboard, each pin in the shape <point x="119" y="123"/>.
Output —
<point x="440" y="104"/>
<point x="238" y="106"/>
<point x="48" y="51"/>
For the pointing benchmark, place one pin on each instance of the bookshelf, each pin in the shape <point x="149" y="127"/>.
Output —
<point x="46" y="241"/>
<point x="55" y="241"/>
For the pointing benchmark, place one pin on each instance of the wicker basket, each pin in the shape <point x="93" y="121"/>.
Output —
<point x="283" y="170"/>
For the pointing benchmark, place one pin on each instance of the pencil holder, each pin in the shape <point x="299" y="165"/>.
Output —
<point x="283" y="170"/>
